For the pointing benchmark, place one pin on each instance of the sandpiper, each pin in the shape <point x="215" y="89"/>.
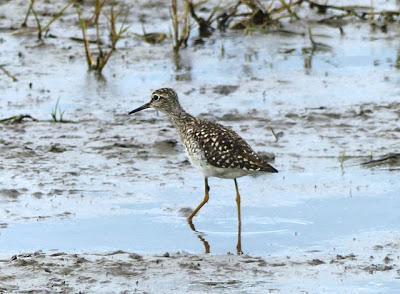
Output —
<point x="216" y="150"/>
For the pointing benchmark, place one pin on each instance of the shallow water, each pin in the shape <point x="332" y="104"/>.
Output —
<point x="294" y="210"/>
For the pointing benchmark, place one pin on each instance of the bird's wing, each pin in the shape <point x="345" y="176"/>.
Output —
<point x="226" y="149"/>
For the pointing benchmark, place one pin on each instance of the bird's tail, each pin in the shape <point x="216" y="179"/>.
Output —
<point x="269" y="168"/>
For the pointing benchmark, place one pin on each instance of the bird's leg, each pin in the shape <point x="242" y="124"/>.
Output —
<point x="239" y="240"/>
<point x="189" y="219"/>
<point x="206" y="197"/>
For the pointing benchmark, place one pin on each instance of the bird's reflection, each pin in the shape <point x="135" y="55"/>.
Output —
<point x="206" y="244"/>
<point x="201" y="237"/>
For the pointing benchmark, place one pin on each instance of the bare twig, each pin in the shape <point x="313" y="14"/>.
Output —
<point x="311" y="38"/>
<point x="225" y="18"/>
<point x="276" y="135"/>
<point x="43" y="30"/>
<point x="77" y="39"/>
<point x="323" y="7"/>
<point x="205" y="28"/>
<point x="57" y="16"/>
<point x="7" y="73"/>
<point x="17" y="118"/>
<point x="389" y="159"/>
<point x="317" y="46"/>
<point x="38" y="25"/>
<point x="27" y="14"/>
<point x="289" y="9"/>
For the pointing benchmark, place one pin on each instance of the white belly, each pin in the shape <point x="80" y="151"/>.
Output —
<point x="225" y="173"/>
<point x="198" y="160"/>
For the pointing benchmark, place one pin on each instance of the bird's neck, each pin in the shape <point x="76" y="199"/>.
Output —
<point x="179" y="117"/>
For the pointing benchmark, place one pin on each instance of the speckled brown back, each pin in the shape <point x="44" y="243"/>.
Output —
<point x="222" y="147"/>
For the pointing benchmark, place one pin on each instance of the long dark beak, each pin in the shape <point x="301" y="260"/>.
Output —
<point x="145" y="106"/>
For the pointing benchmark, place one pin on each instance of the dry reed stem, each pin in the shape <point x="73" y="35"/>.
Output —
<point x="88" y="53"/>
<point x="99" y="62"/>
<point x="43" y="30"/>
<point x="180" y="34"/>
<point x="27" y="14"/>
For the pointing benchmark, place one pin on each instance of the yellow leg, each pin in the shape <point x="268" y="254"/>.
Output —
<point x="239" y="240"/>
<point x="205" y="200"/>
<point x="189" y="219"/>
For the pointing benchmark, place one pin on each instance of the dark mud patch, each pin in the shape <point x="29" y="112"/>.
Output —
<point x="225" y="89"/>
<point x="316" y="261"/>
<point x="10" y="194"/>
<point x="57" y="148"/>
<point x="116" y="145"/>
<point x="373" y="268"/>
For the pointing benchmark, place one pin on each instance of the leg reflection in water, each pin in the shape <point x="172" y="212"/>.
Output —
<point x="200" y="235"/>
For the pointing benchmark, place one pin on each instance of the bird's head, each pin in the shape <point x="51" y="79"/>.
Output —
<point x="164" y="100"/>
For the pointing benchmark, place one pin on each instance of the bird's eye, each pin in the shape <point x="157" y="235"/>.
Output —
<point x="156" y="97"/>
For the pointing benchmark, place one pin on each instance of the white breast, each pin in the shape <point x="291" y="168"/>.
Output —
<point x="197" y="159"/>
